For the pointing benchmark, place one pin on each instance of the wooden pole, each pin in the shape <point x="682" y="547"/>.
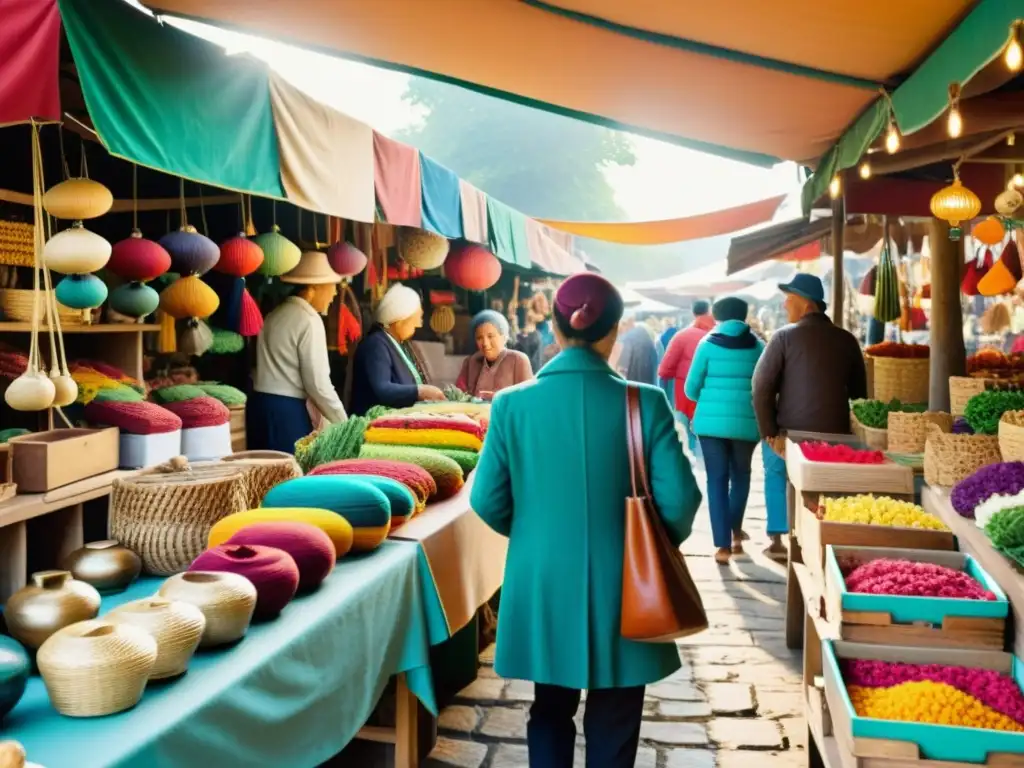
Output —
<point x="948" y="357"/>
<point x="838" y="246"/>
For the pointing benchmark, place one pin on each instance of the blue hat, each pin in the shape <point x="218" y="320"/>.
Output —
<point x="490" y="316"/>
<point x="808" y="286"/>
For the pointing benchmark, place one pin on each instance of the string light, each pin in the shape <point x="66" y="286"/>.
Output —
<point x="865" y="170"/>
<point x="1011" y="139"/>
<point x="1017" y="181"/>
<point x="892" y="138"/>
<point x="834" y="187"/>
<point x="1014" y="56"/>
<point x="955" y="122"/>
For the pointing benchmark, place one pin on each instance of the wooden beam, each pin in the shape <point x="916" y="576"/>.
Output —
<point x="838" y="278"/>
<point x="948" y="357"/>
<point x="125" y="206"/>
<point x="883" y="163"/>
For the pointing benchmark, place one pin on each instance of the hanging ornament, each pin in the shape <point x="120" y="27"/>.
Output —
<point x="887" y="287"/>
<point x="867" y="284"/>
<point x="137" y="259"/>
<point x="1004" y="275"/>
<point x="1008" y="202"/>
<point x="421" y="249"/>
<point x="77" y="199"/>
<point x="191" y="253"/>
<point x="189" y="297"/>
<point x="472" y="267"/>
<point x="346" y="259"/>
<point x="76" y="251"/>
<point x="976" y="269"/>
<point x="239" y="256"/>
<point x="989" y="231"/>
<point x="280" y="255"/>
<point x="134" y="299"/>
<point x="81" y="291"/>
<point x="196" y="338"/>
<point x="442" y="320"/>
<point x="955" y="204"/>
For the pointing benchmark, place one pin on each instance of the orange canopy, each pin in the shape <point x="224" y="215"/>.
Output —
<point x="754" y="80"/>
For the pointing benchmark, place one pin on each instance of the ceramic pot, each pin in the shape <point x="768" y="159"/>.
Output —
<point x="12" y="754"/>
<point x="52" y="601"/>
<point x="107" y="565"/>
<point x="310" y="548"/>
<point x="15" y="667"/>
<point x="96" y="667"/>
<point x="176" y="626"/>
<point x="272" y="571"/>
<point x="227" y="600"/>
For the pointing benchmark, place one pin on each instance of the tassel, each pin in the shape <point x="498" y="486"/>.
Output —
<point x="196" y="339"/>
<point x="167" y="340"/>
<point x="250" y="321"/>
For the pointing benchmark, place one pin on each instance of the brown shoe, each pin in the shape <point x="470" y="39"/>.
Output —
<point x="776" y="550"/>
<point x="723" y="555"/>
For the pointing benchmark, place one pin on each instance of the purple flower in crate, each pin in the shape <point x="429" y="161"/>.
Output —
<point x="961" y="427"/>
<point x="1004" y="478"/>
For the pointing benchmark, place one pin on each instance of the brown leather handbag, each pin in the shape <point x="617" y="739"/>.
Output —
<point x="660" y="602"/>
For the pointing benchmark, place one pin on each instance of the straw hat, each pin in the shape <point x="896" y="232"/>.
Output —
<point x="312" y="269"/>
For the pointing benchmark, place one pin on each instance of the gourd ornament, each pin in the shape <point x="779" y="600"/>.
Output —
<point x="137" y="260"/>
<point x="78" y="199"/>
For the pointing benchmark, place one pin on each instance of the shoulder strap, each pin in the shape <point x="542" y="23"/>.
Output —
<point x="635" y="439"/>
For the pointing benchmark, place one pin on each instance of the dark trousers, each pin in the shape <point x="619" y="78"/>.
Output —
<point x="611" y="726"/>
<point x="728" y="466"/>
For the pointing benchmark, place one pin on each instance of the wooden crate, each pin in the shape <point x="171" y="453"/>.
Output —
<point x="47" y="460"/>
<point x="887" y="477"/>
<point x="816" y="535"/>
<point x="237" y="427"/>
<point x="915" y="621"/>
<point x="873" y="743"/>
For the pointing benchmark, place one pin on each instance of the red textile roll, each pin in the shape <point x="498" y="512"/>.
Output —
<point x="456" y="422"/>
<point x="310" y="548"/>
<point x="200" y="412"/>
<point x="143" y="418"/>
<point x="272" y="571"/>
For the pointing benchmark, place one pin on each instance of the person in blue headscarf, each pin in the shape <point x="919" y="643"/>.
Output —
<point x="493" y="367"/>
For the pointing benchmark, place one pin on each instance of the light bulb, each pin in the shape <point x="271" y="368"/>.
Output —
<point x="834" y="187"/>
<point x="865" y="170"/>
<point x="1017" y="181"/>
<point x="1011" y="139"/>
<point x="892" y="139"/>
<point x="1014" y="56"/>
<point x="955" y="124"/>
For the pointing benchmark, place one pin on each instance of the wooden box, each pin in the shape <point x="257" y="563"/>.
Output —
<point x="875" y="743"/>
<point x="237" y="428"/>
<point x="887" y="477"/>
<point x="816" y="535"/>
<point x="47" y="460"/>
<point x="915" y="621"/>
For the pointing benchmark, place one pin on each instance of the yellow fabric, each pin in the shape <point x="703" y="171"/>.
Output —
<point x="428" y="438"/>
<point x="334" y="525"/>
<point x="326" y="156"/>
<point x="997" y="281"/>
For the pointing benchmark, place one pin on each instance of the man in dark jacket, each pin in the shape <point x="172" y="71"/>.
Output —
<point x="804" y="382"/>
<point x="638" y="358"/>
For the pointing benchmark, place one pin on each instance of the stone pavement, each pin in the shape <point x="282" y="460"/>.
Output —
<point x="736" y="703"/>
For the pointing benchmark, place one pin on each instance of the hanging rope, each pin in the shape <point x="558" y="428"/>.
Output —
<point x="63" y="156"/>
<point x="37" y="204"/>
<point x="135" y="196"/>
<point x="181" y="203"/>
<point x="58" y="356"/>
<point x="202" y="212"/>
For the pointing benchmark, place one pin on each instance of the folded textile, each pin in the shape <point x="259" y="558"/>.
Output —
<point x="426" y="438"/>
<point x="455" y="421"/>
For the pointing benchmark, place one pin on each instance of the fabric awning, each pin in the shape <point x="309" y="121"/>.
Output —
<point x="753" y="81"/>
<point x="775" y="241"/>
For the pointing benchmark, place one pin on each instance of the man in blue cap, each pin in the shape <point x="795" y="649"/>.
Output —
<point x="803" y="382"/>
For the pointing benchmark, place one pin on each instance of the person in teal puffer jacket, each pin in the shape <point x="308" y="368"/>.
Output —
<point x="719" y="382"/>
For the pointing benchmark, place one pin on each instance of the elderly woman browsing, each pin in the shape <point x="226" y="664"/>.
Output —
<point x="384" y="372"/>
<point x="493" y="367"/>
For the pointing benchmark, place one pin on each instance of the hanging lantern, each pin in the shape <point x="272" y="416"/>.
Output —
<point x="77" y="199"/>
<point x="250" y="319"/>
<point x="196" y="338"/>
<point x="32" y="391"/>
<point x="189" y="297"/>
<point x="442" y="320"/>
<point x="472" y="267"/>
<point x="1008" y="202"/>
<point x="81" y="291"/>
<point x="136" y="258"/>
<point x="76" y="251"/>
<point x="955" y="204"/>
<point x="346" y="259"/>
<point x="280" y="254"/>
<point x="421" y="249"/>
<point x="134" y="299"/>
<point x="239" y="256"/>
<point x="191" y="253"/>
<point x="989" y="231"/>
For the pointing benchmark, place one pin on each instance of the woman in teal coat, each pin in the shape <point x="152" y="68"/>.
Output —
<point x="719" y="382"/>
<point x="553" y="477"/>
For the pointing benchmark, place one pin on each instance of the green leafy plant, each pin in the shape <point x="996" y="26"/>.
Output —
<point x="875" y="413"/>
<point x="984" y="410"/>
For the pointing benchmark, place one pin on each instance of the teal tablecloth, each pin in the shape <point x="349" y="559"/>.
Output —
<point x="291" y="694"/>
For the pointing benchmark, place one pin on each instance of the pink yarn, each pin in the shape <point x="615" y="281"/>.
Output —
<point x="272" y="571"/>
<point x="200" y="412"/>
<point x="310" y="548"/>
<point x="904" y="577"/>
<point x="143" y="418"/>
<point x="995" y="690"/>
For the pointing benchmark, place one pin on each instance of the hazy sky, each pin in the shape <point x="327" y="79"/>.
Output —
<point x="666" y="182"/>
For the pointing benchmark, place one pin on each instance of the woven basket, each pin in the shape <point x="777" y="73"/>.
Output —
<point x="908" y="431"/>
<point x="227" y="600"/>
<point x="904" y="379"/>
<point x="1011" y="436"/>
<point x="166" y="516"/>
<point x="17" y="304"/>
<point x="874" y="438"/>
<point x="267" y="469"/>
<point x="962" y="389"/>
<point x="17" y="244"/>
<point x="95" y="667"/>
<point x="949" y="458"/>
<point x="176" y="626"/>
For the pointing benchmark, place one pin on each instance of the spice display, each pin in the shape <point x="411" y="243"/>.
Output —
<point x="875" y="413"/>
<point x="868" y="509"/>
<point x="840" y="454"/>
<point x="894" y="349"/>
<point x="984" y="410"/>
<point x="993" y="360"/>
<point x="1006" y="478"/>
<point x="928" y="702"/>
<point x="886" y="576"/>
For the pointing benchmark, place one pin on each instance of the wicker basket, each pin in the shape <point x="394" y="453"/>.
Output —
<point x="17" y="304"/>
<point x="1011" y="436"/>
<point x="17" y="244"/>
<point x="166" y="516"/>
<point x="874" y="438"/>
<point x="268" y="468"/>
<point x="900" y="378"/>
<point x="908" y="431"/>
<point x="949" y="458"/>
<point x="962" y="389"/>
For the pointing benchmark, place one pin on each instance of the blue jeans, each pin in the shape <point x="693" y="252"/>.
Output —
<point x="728" y="466"/>
<point x="775" y="491"/>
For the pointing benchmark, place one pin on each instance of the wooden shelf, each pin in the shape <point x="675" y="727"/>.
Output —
<point x="6" y="327"/>
<point x="29" y="505"/>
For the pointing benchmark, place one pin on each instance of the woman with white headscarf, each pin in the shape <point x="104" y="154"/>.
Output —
<point x="384" y="372"/>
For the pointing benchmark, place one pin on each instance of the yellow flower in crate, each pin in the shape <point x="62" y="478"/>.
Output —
<point x="867" y="509"/>
<point x="926" y="701"/>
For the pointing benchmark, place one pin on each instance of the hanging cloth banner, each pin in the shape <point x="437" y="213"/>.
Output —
<point x="326" y="156"/>
<point x="507" y="229"/>
<point x="396" y="176"/>
<point x="29" y="61"/>
<point x="167" y="100"/>
<point x="547" y="254"/>
<point x="442" y="204"/>
<point x="474" y="213"/>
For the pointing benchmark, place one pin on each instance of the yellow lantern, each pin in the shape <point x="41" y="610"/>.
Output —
<point x="189" y="297"/>
<point x="77" y="199"/>
<point x="442" y="320"/>
<point x="955" y="204"/>
<point x="76" y="251"/>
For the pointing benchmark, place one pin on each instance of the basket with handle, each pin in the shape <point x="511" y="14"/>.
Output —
<point x="1011" y="436"/>
<point x="267" y="469"/>
<point x="962" y="389"/>
<point x="949" y="458"/>
<point x="165" y="515"/>
<point x="908" y="431"/>
<point x="874" y="438"/>
<point x="899" y="378"/>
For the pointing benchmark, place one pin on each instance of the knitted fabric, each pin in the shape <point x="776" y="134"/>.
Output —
<point x="106" y="369"/>
<point x="133" y="418"/>
<point x="224" y="392"/>
<point x="456" y="422"/>
<point x="119" y="394"/>
<point x="427" y="438"/>
<point x="226" y="342"/>
<point x="465" y="459"/>
<point x="310" y="548"/>
<point x="446" y="472"/>
<point x="337" y="528"/>
<point x="412" y="476"/>
<point x="177" y="393"/>
<point x="272" y="571"/>
<point x="12" y="364"/>
<point x="200" y="412"/>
